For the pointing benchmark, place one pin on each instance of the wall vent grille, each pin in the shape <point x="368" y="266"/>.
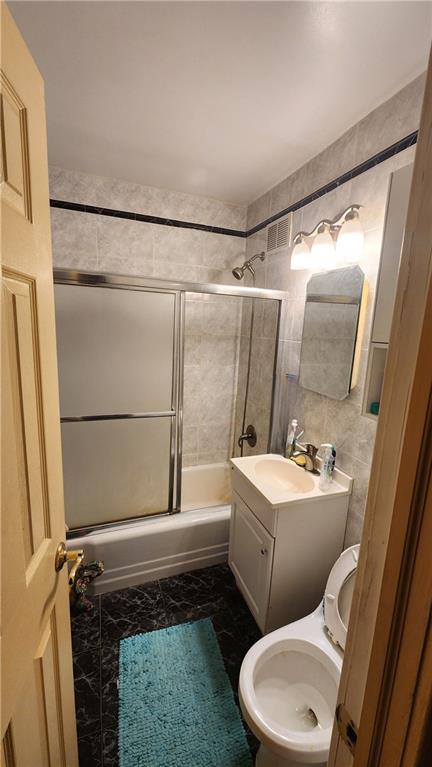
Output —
<point x="272" y="237"/>
<point x="279" y="234"/>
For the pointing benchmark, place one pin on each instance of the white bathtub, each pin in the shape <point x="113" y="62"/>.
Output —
<point x="170" y="544"/>
<point x="204" y="486"/>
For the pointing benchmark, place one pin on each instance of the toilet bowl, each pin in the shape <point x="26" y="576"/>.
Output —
<point x="289" y="678"/>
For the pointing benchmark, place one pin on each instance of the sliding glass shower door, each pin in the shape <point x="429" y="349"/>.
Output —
<point x="118" y="358"/>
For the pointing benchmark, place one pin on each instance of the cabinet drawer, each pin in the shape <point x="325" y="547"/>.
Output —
<point x="251" y="559"/>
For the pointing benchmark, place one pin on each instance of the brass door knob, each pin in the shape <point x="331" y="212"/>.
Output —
<point x="63" y="555"/>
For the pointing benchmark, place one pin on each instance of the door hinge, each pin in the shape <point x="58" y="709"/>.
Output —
<point x="347" y="729"/>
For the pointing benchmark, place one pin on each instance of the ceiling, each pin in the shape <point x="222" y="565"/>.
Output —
<point x="223" y="99"/>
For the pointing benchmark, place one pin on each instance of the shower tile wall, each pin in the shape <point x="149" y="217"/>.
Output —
<point x="324" y="419"/>
<point x="211" y="368"/>
<point x="108" y="244"/>
<point x="258" y="409"/>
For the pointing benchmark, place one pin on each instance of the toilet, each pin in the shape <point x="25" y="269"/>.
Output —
<point x="289" y="678"/>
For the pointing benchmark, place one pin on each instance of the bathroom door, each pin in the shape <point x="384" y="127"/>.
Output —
<point x="37" y="711"/>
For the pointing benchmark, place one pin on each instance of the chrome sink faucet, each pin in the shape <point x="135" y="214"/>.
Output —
<point x="305" y="456"/>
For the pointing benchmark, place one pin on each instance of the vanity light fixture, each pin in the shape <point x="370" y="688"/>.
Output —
<point x="350" y="241"/>
<point x="301" y="255"/>
<point x="336" y="242"/>
<point x="323" y="248"/>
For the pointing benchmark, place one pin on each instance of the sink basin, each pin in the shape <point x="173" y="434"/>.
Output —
<point x="281" y="482"/>
<point x="284" y="475"/>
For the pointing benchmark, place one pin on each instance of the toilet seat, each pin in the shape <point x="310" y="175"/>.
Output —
<point x="305" y="642"/>
<point x="337" y="605"/>
<point x="289" y="678"/>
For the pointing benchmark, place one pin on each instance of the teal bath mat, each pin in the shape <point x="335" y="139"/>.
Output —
<point x="176" y="703"/>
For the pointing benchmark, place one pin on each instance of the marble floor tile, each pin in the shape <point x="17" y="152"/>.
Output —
<point x="90" y="750"/>
<point x="210" y="592"/>
<point x="131" y="611"/>
<point x="87" y="691"/>
<point x="86" y="627"/>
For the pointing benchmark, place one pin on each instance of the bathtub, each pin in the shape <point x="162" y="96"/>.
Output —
<point x="158" y="547"/>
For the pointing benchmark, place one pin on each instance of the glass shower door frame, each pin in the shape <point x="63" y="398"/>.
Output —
<point x="175" y="414"/>
<point x="179" y="290"/>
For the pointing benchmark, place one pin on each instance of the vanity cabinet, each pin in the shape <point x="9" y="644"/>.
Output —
<point x="281" y="552"/>
<point x="251" y="558"/>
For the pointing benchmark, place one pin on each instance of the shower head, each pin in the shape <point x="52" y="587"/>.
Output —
<point x="239" y="271"/>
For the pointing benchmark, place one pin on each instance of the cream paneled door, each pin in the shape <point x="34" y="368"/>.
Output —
<point x="38" y="714"/>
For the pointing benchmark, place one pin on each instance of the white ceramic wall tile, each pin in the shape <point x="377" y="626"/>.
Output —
<point x="218" y="350"/>
<point x="190" y="439"/>
<point x="285" y="193"/>
<point x="259" y="210"/>
<point x="190" y="459"/>
<point x="74" y="239"/>
<point x="215" y="436"/>
<point x="360" y="472"/>
<point x="396" y="118"/>
<point x="73" y="186"/>
<point x="352" y="432"/>
<point x="124" y="247"/>
<point x="354" y="528"/>
<point x="390" y="122"/>
<point x="328" y="206"/>
<point x="221" y="317"/>
<point x="213" y="457"/>
<point x="192" y="349"/>
<point x="181" y="272"/>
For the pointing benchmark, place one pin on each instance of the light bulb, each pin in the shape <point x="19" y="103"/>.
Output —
<point x="350" y="241"/>
<point x="301" y="255"/>
<point x="323" y="255"/>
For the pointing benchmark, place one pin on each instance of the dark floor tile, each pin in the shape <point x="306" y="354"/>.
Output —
<point x="87" y="692"/>
<point x="86" y="627"/>
<point x="109" y="661"/>
<point x="184" y="611"/>
<point x="90" y="750"/>
<point x="131" y="611"/>
<point x="211" y="592"/>
<point x="110" y="748"/>
<point x="196" y="587"/>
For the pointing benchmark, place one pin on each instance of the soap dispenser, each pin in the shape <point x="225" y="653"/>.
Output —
<point x="327" y="466"/>
<point x="291" y="438"/>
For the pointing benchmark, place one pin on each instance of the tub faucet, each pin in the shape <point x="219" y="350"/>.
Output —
<point x="305" y="456"/>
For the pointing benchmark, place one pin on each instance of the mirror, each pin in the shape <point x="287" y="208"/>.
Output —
<point x="335" y="303"/>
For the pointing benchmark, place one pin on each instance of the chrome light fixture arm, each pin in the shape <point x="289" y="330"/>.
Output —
<point x="333" y="224"/>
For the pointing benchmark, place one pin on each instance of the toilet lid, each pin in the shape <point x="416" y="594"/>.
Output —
<point x="338" y="595"/>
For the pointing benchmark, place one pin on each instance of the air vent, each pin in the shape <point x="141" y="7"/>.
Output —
<point x="279" y="234"/>
<point x="272" y="237"/>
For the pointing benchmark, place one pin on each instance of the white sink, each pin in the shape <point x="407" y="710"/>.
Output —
<point x="284" y="474"/>
<point x="280" y="481"/>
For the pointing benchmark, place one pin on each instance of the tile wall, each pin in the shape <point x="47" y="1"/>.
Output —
<point x="324" y="419"/>
<point x="108" y="244"/>
<point x="212" y="335"/>
<point x="217" y="336"/>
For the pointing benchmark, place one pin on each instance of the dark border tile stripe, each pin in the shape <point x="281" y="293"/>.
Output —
<point x="378" y="158"/>
<point x="143" y="217"/>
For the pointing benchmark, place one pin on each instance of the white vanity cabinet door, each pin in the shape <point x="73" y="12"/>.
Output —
<point x="251" y="559"/>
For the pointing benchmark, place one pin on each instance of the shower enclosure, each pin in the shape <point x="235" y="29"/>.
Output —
<point x="140" y="360"/>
